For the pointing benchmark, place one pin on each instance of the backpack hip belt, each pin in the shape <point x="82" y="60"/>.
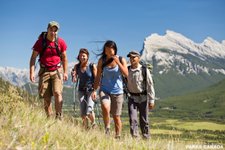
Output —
<point x="87" y="89"/>
<point x="46" y="67"/>
<point x="138" y="94"/>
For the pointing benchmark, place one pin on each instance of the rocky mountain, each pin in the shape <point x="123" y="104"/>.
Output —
<point x="181" y="65"/>
<point x="15" y="76"/>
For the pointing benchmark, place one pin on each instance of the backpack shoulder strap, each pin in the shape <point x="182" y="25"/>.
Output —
<point x="57" y="48"/>
<point x="128" y="67"/>
<point x="77" y="67"/>
<point x="120" y="58"/>
<point x="43" y="36"/>
<point x="91" y="65"/>
<point x="144" y="72"/>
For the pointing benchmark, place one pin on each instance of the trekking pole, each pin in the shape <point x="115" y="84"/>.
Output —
<point x="74" y="98"/>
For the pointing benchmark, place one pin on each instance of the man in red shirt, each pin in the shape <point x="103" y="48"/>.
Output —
<point x="53" y="67"/>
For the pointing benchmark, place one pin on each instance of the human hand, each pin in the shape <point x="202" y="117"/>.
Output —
<point x="116" y="59"/>
<point x="32" y="78"/>
<point x="151" y="106"/>
<point x="93" y="95"/>
<point x="65" y="76"/>
<point x="73" y="74"/>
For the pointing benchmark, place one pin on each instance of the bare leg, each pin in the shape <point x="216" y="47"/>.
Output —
<point x="58" y="104"/>
<point x="118" y="125"/>
<point x="48" y="106"/>
<point x="85" y="121"/>
<point x="91" y="116"/>
<point x="106" y="114"/>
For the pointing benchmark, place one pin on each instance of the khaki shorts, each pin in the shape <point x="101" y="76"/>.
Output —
<point x="116" y="101"/>
<point x="50" y="82"/>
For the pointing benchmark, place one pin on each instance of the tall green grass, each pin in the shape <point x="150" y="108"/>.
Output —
<point x="23" y="125"/>
<point x="26" y="127"/>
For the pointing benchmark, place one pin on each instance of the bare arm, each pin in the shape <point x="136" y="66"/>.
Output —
<point x="74" y="73"/>
<point x="122" y="65"/>
<point x="93" y="95"/>
<point x="65" y="66"/>
<point x="94" y="71"/>
<point x="98" y="74"/>
<point x="32" y="65"/>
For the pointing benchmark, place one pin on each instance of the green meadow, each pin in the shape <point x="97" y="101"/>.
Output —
<point x="23" y="125"/>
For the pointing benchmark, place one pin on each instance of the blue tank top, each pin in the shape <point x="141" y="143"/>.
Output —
<point x="111" y="81"/>
<point x="86" y="79"/>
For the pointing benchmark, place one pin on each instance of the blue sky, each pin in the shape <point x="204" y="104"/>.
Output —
<point x="127" y="22"/>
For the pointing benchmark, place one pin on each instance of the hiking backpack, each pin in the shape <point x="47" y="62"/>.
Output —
<point x="147" y="65"/>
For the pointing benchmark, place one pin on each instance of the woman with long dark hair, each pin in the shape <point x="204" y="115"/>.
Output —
<point x="110" y="70"/>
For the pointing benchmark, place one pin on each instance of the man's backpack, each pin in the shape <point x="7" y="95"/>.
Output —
<point x="147" y="65"/>
<point x="43" y="36"/>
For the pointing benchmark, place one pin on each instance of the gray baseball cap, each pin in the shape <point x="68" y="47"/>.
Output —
<point x="133" y="53"/>
<point x="53" y="23"/>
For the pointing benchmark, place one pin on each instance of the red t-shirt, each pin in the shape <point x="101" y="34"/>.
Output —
<point x="50" y="57"/>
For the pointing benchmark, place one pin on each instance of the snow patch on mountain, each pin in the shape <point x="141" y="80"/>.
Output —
<point x="223" y="42"/>
<point x="177" y="42"/>
<point x="175" y="51"/>
<point x="15" y="76"/>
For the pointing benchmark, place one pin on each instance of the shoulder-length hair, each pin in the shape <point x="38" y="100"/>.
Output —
<point x="83" y="50"/>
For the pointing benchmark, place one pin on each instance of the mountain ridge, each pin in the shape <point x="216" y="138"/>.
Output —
<point x="179" y="64"/>
<point x="176" y="41"/>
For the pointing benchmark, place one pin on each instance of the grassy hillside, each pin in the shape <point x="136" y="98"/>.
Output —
<point x="206" y="104"/>
<point x="173" y="84"/>
<point x="23" y="125"/>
